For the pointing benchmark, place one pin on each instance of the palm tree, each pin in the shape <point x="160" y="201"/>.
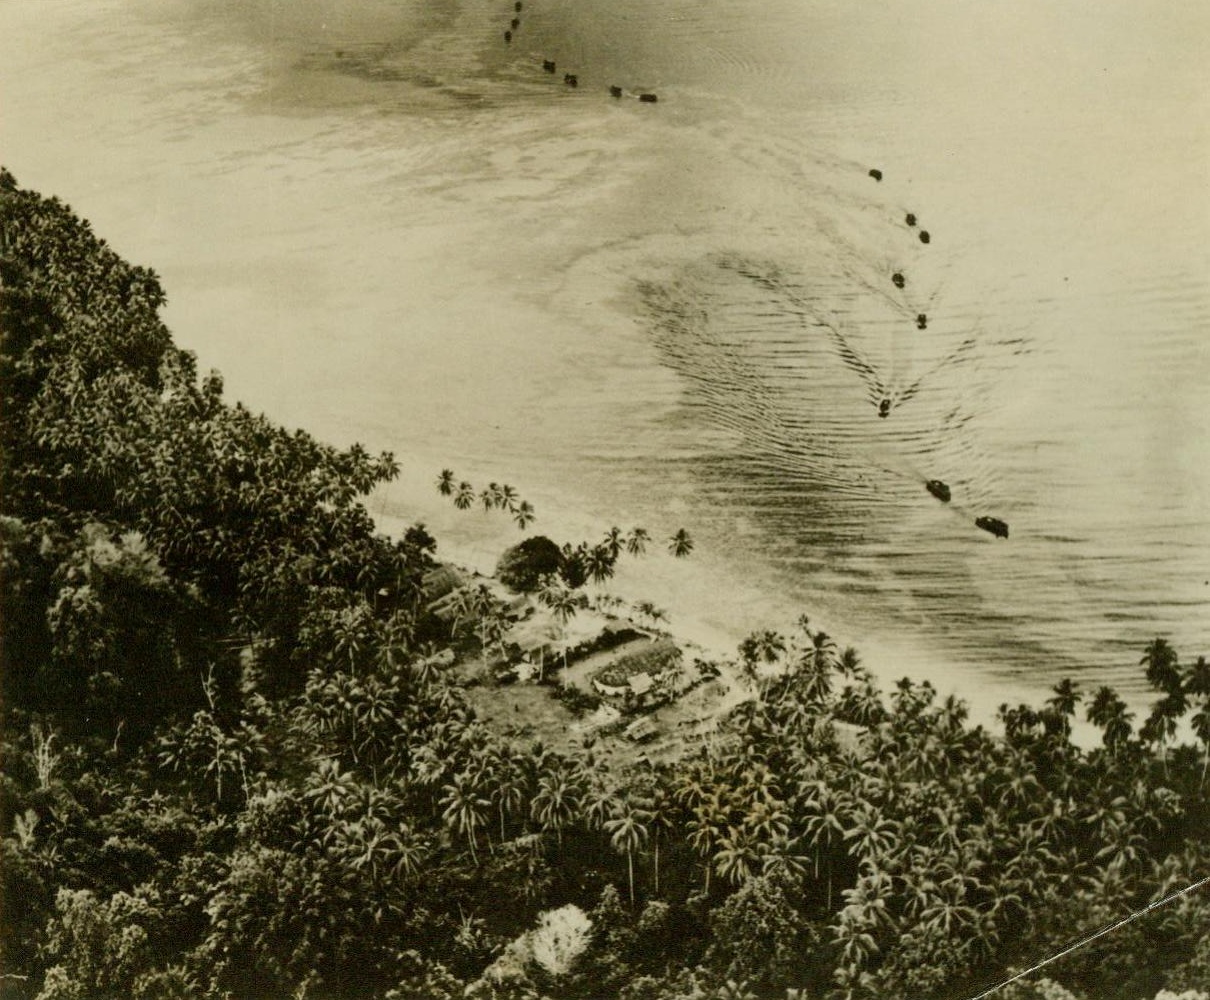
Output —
<point x="1201" y="729"/>
<point x="556" y="802"/>
<point x="680" y="544"/>
<point x="815" y="668"/>
<point x="463" y="605"/>
<point x="1066" y="697"/>
<point x="657" y="805"/>
<point x="1162" y="671"/>
<point x="465" y="809"/>
<point x="704" y="828"/>
<point x="1197" y="685"/>
<point x="872" y="834"/>
<point x="465" y="496"/>
<point x="598" y="806"/>
<point x="483" y="607"/>
<point x="849" y="664"/>
<point x="524" y="514"/>
<point x="507" y="499"/>
<point x="1108" y="712"/>
<point x="445" y="482"/>
<point x="1062" y="705"/>
<point x="573" y="564"/>
<point x="627" y="833"/>
<point x="328" y="787"/>
<point x="1161" y="724"/>
<point x="949" y="912"/>
<point x="826" y="824"/>
<point x="564" y="603"/>
<point x="690" y="789"/>
<point x="764" y="646"/>
<point x="636" y="541"/>
<point x="823" y="647"/>
<point x="613" y="543"/>
<point x="863" y="704"/>
<point x="509" y="786"/>
<point x="409" y="849"/>
<point x="1018" y="787"/>
<point x="1197" y="679"/>
<point x="648" y="611"/>
<point x="599" y="563"/>
<point x="737" y="856"/>
<point x="767" y="820"/>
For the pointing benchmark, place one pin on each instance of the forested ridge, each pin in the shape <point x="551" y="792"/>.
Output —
<point x="237" y="764"/>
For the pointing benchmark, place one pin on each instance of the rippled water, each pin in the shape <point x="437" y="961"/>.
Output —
<point x="384" y="223"/>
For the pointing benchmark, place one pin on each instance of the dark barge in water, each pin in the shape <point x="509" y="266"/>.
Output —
<point x="993" y="525"/>
<point x="938" y="489"/>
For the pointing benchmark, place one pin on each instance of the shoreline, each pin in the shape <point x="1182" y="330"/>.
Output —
<point x="473" y="541"/>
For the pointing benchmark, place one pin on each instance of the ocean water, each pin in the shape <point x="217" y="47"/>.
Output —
<point x="384" y="223"/>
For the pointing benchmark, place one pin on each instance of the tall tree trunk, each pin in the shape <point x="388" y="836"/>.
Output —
<point x="656" y="839"/>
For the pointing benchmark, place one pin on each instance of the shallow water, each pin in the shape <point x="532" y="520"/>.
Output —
<point x="383" y="223"/>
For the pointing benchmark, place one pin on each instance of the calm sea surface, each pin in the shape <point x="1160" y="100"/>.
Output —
<point x="384" y="223"/>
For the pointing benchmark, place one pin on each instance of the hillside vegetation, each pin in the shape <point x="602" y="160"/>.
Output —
<point x="238" y="763"/>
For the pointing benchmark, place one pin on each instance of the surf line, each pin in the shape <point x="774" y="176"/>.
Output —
<point x="1108" y="929"/>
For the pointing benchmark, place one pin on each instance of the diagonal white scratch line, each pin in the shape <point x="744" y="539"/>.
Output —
<point x="1108" y="929"/>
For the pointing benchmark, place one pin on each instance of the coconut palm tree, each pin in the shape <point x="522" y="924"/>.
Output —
<point x="767" y="820"/>
<point x="648" y="611"/>
<point x="1161" y="725"/>
<point x="765" y="646"/>
<point x="655" y="801"/>
<point x="598" y="805"/>
<point x="465" y="496"/>
<point x="445" y="482"/>
<point x="509" y="785"/>
<point x="628" y="833"/>
<point x="464" y="809"/>
<point x="814" y="671"/>
<point x="1197" y="678"/>
<point x="613" y="543"/>
<point x="849" y="665"/>
<point x="949" y="912"/>
<point x="1197" y="688"/>
<point x="1061" y="706"/>
<point x="826" y="824"/>
<point x="738" y="855"/>
<point x="705" y="828"/>
<point x="556" y="803"/>
<point x="408" y="850"/>
<point x="463" y="607"/>
<point x="680" y="544"/>
<point x="484" y="607"/>
<point x="1108" y="712"/>
<point x="636" y="541"/>
<point x="871" y="835"/>
<point x="599" y="563"/>
<point x="524" y="514"/>
<point x="573" y="565"/>
<point x="1163" y="674"/>
<point x="1201" y="729"/>
<point x="563" y="603"/>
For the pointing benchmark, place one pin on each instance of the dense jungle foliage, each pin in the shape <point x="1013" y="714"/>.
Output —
<point x="235" y="767"/>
